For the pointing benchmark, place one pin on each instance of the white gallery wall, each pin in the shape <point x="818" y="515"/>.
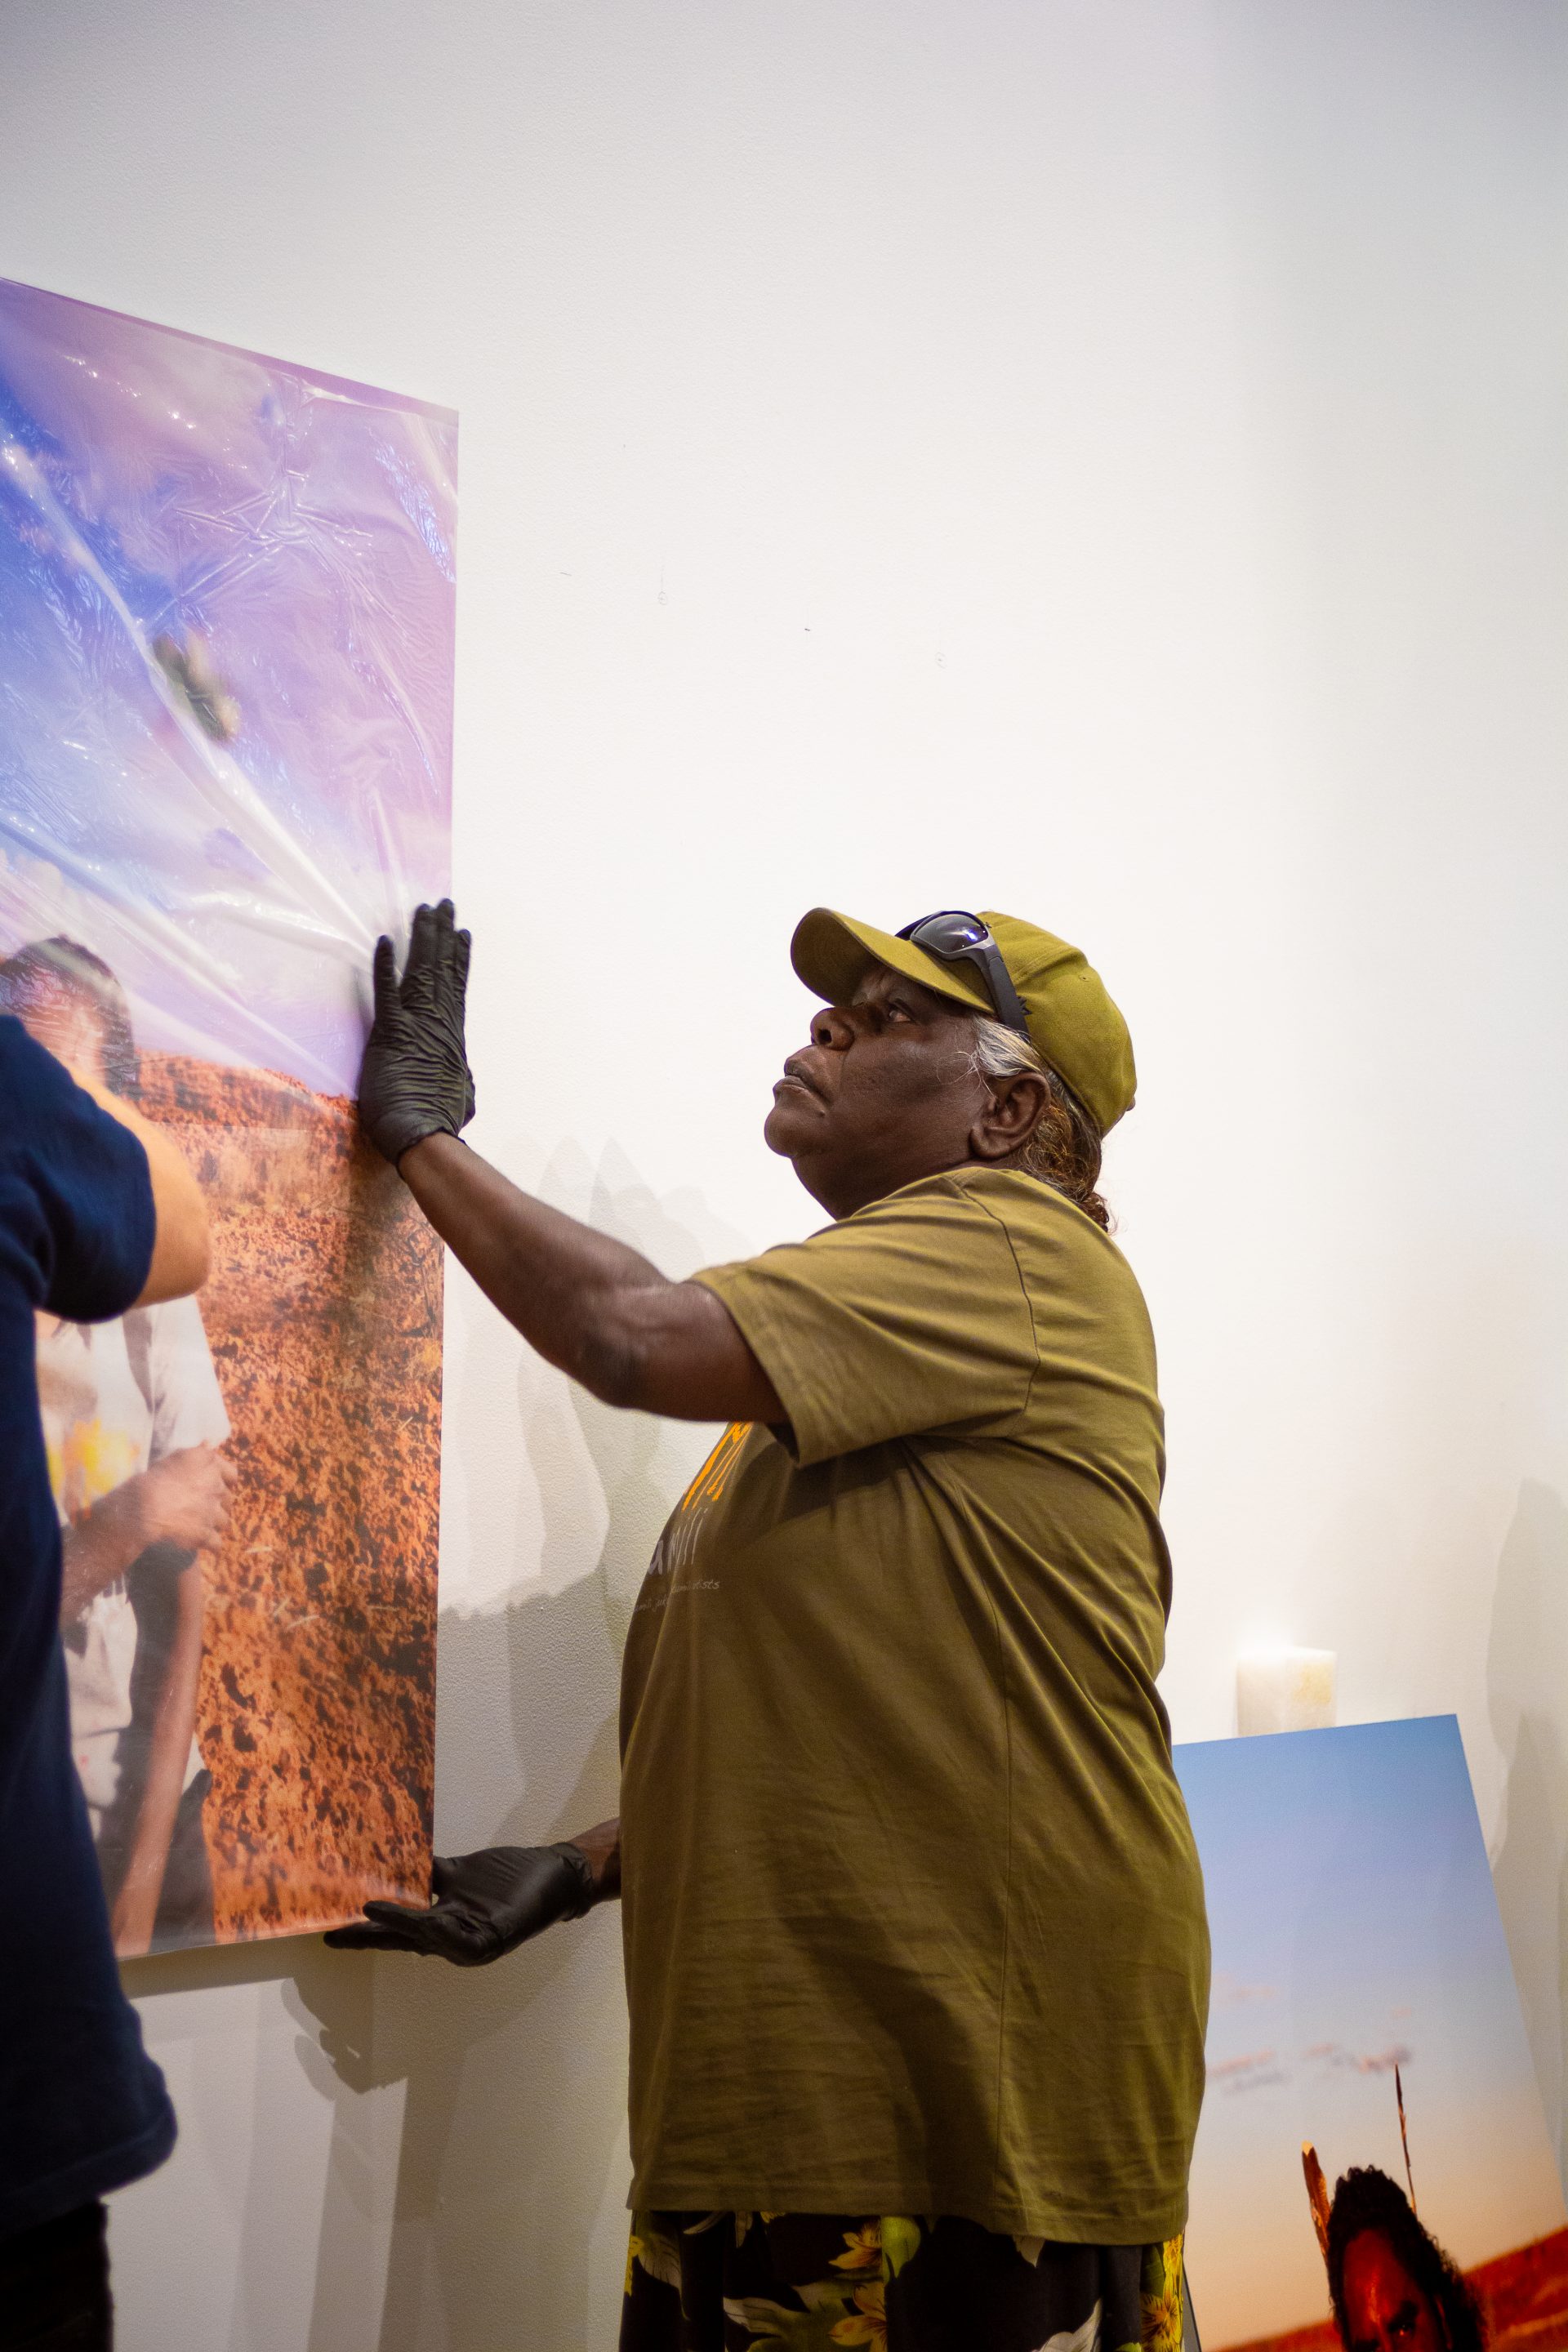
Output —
<point x="1101" y="460"/>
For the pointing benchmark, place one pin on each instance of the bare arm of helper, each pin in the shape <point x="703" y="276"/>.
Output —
<point x="590" y="1306"/>
<point x="181" y="1254"/>
<point x="136" y="1905"/>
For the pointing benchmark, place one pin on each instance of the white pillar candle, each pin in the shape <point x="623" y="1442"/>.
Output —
<point x="1285" y="1690"/>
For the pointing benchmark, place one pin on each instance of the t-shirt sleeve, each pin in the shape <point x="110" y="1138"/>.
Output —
<point x="909" y="1317"/>
<point x="79" y="1187"/>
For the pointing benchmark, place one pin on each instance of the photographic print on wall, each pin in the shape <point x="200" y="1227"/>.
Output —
<point x="1365" y="2010"/>
<point x="226" y="602"/>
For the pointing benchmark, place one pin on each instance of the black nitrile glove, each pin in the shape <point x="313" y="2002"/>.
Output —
<point x="415" y="1080"/>
<point x="486" y="1903"/>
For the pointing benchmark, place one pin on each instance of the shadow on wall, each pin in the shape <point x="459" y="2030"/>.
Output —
<point x="514" y="2074"/>
<point x="507" y="2222"/>
<point x="1527" y="1686"/>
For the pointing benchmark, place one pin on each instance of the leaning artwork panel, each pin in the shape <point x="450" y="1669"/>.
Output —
<point x="1373" y="2165"/>
<point x="227" y="603"/>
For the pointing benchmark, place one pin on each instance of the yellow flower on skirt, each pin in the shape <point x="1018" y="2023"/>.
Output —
<point x="865" y="2246"/>
<point x="869" y="2322"/>
<point x="1160" y="2297"/>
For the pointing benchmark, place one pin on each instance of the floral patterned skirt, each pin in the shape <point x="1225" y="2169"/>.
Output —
<point x="726" y="2282"/>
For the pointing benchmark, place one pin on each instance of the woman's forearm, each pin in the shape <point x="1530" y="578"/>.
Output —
<point x="596" y="1309"/>
<point x="136" y="1905"/>
<point x="602" y="1844"/>
<point x="552" y="1277"/>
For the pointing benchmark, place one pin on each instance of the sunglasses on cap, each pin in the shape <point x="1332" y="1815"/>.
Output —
<point x="954" y="936"/>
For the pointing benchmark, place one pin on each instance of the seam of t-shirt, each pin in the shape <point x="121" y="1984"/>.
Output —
<point x="1007" y="1719"/>
<point x="1000" y="1224"/>
<point x="714" y="1278"/>
<point x="1007" y="1892"/>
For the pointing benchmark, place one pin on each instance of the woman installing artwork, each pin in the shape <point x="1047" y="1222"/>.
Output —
<point x="132" y="1417"/>
<point x="916" y="1954"/>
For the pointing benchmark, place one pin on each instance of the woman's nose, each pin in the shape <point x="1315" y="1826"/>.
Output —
<point x="832" y="1030"/>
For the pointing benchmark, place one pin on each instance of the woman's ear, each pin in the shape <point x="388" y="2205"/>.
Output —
<point x="1010" y="1117"/>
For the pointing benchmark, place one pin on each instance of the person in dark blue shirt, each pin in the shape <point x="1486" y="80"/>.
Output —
<point x="98" y="1213"/>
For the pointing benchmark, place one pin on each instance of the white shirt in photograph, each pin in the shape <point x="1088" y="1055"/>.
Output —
<point x="116" y="1398"/>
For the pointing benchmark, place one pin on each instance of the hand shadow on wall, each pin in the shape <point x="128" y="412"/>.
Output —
<point x="1526" y="1686"/>
<point x="510" y="2163"/>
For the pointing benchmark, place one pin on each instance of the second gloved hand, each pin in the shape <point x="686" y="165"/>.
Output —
<point x="485" y="1903"/>
<point x="415" y="1080"/>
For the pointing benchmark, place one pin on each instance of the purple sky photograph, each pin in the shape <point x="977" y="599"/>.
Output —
<point x="226" y="597"/>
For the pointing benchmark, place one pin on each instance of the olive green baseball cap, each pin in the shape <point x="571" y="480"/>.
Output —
<point x="1075" y="1027"/>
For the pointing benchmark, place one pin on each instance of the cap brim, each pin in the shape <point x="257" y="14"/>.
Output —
<point x="832" y="955"/>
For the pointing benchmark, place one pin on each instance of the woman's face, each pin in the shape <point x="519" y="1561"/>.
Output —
<point x="882" y="1095"/>
<point x="1385" y="2311"/>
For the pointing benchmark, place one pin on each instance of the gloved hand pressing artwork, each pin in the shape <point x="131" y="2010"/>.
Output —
<point x="415" y="1080"/>
<point x="486" y="1903"/>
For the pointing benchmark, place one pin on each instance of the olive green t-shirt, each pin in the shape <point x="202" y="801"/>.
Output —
<point x="913" y="1918"/>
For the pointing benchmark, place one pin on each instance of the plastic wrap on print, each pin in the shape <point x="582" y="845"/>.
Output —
<point x="227" y="595"/>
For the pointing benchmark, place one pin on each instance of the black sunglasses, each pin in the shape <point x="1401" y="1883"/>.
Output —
<point x="954" y="937"/>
